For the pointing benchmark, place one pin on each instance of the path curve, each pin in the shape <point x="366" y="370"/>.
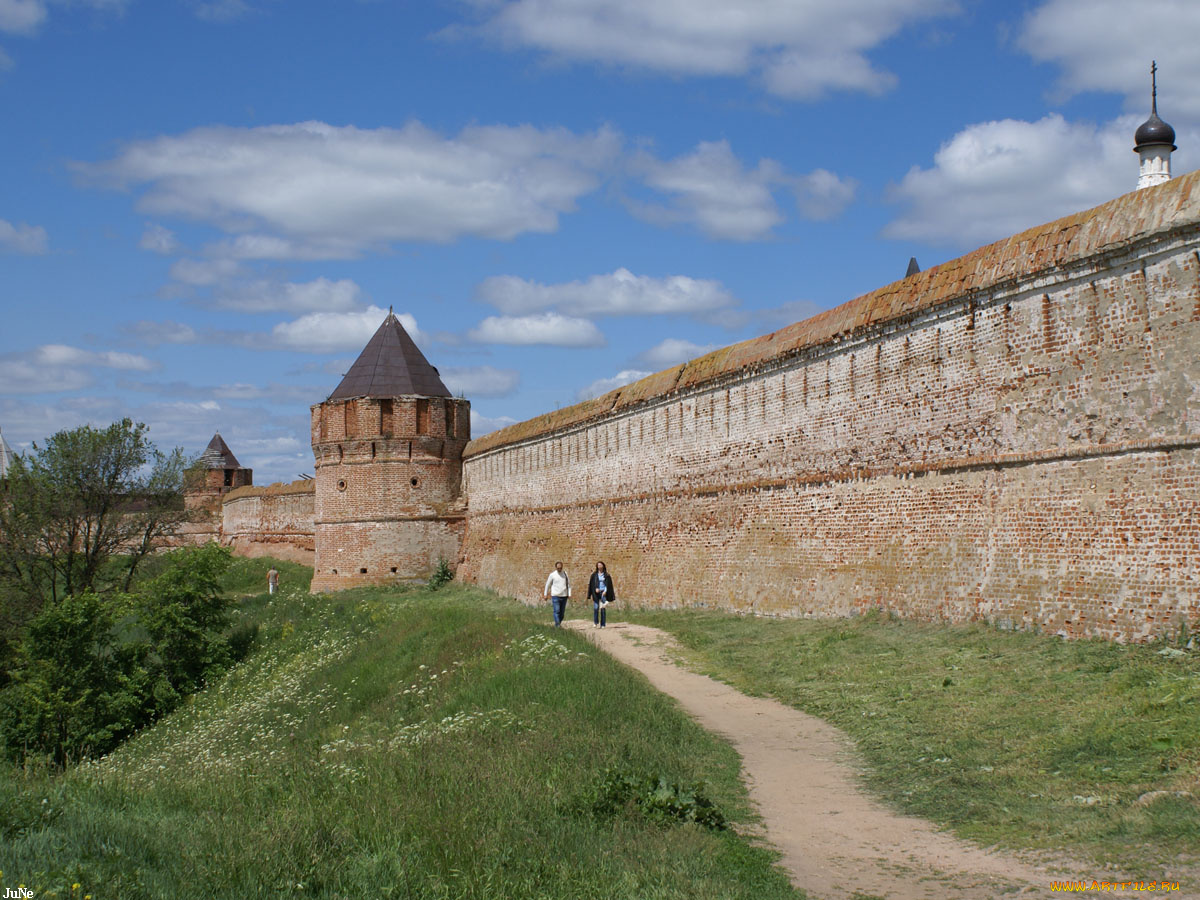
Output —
<point x="836" y="841"/>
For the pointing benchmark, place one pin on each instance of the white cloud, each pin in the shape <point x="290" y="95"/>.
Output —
<point x="261" y="295"/>
<point x="154" y="333"/>
<point x="264" y="246"/>
<point x="22" y="16"/>
<point x="27" y="16"/>
<point x="315" y="190"/>
<point x="25" y="239"/>
<point x="481" y="381"/>
<point x="603" y="385"/>
<point x="993" y="179"/>
<point x="996" y="178"/>
<point x="314" y="332"/>
<point x="796" y="49"/>
<point x="325" y="332"/>
<point x="546" y="328"/>
<point x="62" y="355"/>
<point x="23" y="375"/>
<point x="822" y="195"/>
<point x="320" y="295"/>
<point x="52" y="368"/>
<point x="275" y="444"/>
<point x="160" y="240"/>
<point x="337" y="367"/>
<point x="295" y="396"/>
<point x="221" y="10"/>
<point x="1106" y="45"/>
<point x="240" y="390"/>
<point x="258" y="437"/>
<point x="203" y="407"/>
<point x="621" y="293"/>
<point x="712" y="190"/>
<point x="28" y="420"/>
<point x="204" y="272"/>
<point x="276" y="393"/>
<point x="481" y="425"/>
<point x="671" y="352"/>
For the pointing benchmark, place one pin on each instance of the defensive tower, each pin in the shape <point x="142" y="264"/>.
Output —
<point x="220" y="470"/>
<point x="388" y="446"/>
<point x="217" y="473"/>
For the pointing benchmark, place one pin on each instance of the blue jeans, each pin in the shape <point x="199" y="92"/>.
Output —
<point x="598" y="613"/>
<point x="560" y="609"/>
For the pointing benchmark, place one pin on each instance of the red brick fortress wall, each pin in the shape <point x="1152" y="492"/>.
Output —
<point x="1011" y="436"/>
<point x="388" y="488"/>
<point x="275" y="521"/>
<point x="203" y="498"/>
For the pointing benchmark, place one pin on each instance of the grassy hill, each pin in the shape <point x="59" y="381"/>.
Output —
<point x="398" y="744"/>
<point x="418" y="744"/>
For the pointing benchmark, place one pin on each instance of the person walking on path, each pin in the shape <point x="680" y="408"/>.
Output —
<point x="601" y="592"/>
<point x="272" y="580"/>
<point x="558" y="591"/>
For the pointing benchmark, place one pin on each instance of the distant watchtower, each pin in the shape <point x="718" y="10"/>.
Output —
<point x="217" y="473"/>
<point x="388" y="449"/>
<point x="220" y="468"/>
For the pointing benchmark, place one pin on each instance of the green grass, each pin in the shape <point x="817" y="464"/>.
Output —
<point x="1021" y="740"/>
<point x="248" y="577"/>
<point x="399" y="744"/>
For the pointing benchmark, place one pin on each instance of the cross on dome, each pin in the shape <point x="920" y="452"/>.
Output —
<point x="1154" y="141"/>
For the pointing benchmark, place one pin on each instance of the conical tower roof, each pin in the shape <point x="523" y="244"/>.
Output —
<point x="217" y="455"/>
<point x="390" y="365"/>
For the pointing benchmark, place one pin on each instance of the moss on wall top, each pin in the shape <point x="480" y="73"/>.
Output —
<point x="1111" y="227"/>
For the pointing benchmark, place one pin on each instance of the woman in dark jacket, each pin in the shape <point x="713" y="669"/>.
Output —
<point x="601" y="592"/>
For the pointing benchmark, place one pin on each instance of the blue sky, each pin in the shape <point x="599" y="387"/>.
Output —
<point x="209" y="205"/>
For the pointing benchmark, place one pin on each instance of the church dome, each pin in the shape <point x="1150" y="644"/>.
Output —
<point x="1154" y="131"/>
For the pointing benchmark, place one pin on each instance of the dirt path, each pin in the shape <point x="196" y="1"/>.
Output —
<point x="836" y="842"/>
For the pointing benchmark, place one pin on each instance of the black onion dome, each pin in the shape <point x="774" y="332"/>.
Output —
<point x="1154" y="131"/>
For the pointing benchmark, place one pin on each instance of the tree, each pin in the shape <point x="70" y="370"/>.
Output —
<point x="185" y="614"/>
<point x="91" y="670"/>
<point x="76" y="690"/>
<point x="88" y="495"/>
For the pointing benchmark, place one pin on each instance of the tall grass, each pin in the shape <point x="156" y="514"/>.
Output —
<point x="1021" y="740"/>
<point x="399" y="744"/>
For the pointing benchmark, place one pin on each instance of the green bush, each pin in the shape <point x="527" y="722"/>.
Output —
<point x="185" y="614"/>
<point x="442" y="575"/>
<point x="90" y="670"/>
<point x="620" y="792"/>
<point x="75" y="690"/>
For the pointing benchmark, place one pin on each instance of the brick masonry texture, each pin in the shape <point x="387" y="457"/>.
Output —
<point x="203" y="498"/>
<point x="1011" y="436"/>
<point x="388" y="488"/>
<point x="275" y="521"/>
